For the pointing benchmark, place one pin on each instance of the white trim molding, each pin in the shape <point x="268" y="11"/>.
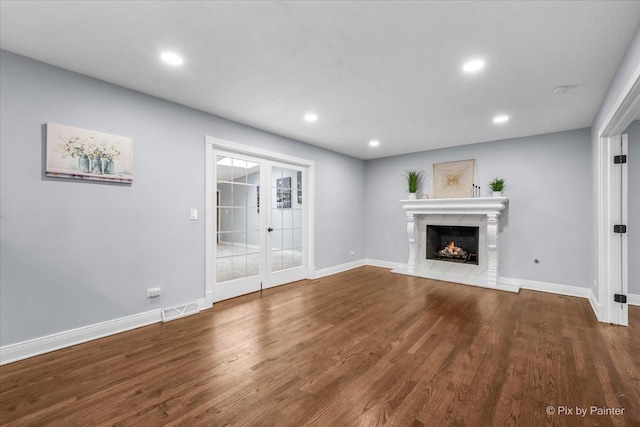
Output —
<point x="464" y="206"/>
<point x="551" y="288"/>
<point x="25" y="349"/>
<point x="386" y="264"/>
<point x="323" y="272"/>
<point x="34" y="347"/>
<point x="559" y="289"/>
<point x="595" y="305"/>
<point x="612" y="208"/>
<point x="215" y="145"/>
<point x="236" y="147"/>
<point x="625" y="110"/>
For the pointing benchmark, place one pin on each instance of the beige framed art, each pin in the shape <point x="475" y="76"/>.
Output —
<point x="452" y="180"/>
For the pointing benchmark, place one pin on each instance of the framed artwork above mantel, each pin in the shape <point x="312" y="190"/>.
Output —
<point x="453" y="180"/>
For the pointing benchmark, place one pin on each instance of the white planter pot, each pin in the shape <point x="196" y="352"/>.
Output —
<point x="412" y="196"/>
<point x="497" y="194"/>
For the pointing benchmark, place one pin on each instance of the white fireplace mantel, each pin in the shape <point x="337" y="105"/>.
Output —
<point x="453" y="211"/>
<point x="475" y="206"/>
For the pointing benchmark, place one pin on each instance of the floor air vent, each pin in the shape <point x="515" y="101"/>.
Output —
<point x="179" y="311"/>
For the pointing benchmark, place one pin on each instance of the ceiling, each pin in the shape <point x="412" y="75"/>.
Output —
<point x="390" y="71"/>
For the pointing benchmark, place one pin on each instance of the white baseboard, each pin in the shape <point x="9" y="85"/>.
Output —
<point x="206" y="302"/>
<point x="595" y="305"/>
<point x="552" y="288"/>
<point x="338" y="268"/>
<point x="386" y="264"/>
<point x="556" y="288"/>
<point x="25" y="349"/>
<point x="633" y="299"/>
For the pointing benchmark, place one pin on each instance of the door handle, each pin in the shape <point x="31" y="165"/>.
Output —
<point x="269" y="229"/>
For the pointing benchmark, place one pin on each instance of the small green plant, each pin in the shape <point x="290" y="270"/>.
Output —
<point x="413" y="180"/>
<point x="497" y="184"/>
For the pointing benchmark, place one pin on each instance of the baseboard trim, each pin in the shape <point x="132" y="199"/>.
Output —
<point x="386" y="264"/>
<point x="323" y="272"/>
<point x="595" y="305"/>
<point x="552" y="288"/>
<point x="206" y="302"/>
<point x="25" y="349"/>
<point x="633" y="299"/>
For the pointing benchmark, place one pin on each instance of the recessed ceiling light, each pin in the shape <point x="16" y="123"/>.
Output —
<point x="561" y="89"/>
<point x="310" y="117"/>
<point x="473" y="66"/>
<point x="374" y="143"/>
<point x="500" y="119"/>
<point x="171" y="58"/>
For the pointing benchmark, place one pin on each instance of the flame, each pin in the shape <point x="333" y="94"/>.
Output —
<point x="451" y="245"/>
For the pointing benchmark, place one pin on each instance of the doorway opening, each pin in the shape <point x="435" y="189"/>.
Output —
<point x="613" y="191"/>
<point x="259" y="231"/>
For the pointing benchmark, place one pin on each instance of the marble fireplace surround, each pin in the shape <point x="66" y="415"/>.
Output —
<point x="482" y="212"/>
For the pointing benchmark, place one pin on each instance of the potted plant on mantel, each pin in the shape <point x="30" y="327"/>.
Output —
<point x="413" y="180"/>
<point x="496" y="186"/>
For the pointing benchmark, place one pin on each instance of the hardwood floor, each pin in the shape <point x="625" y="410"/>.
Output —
<point x="364" y="347"/>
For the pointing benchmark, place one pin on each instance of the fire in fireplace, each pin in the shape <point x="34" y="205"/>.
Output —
<point x="453" y="251"/>
<point x="453" y="243"/>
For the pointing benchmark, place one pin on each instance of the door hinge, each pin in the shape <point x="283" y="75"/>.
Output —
<point x="620" y="228"/>
<point x="620" y="298"/>
<point x="620" y="159"/>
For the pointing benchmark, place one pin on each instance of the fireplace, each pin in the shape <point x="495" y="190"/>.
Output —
<point x="478" y="213"/>
<point x="452" y="243"/>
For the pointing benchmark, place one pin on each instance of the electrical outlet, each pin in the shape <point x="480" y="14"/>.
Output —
<point x="153" y="292"/>
<point x="353" y="253"/>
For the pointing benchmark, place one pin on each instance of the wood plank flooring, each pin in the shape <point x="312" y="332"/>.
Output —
<point x="361" y="348"/>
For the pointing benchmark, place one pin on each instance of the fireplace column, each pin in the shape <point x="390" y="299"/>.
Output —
<point x="411" y="233"/>
<point x="492" y="249"/>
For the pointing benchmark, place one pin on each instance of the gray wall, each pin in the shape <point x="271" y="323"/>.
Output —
<point x="76" y="253"/>
<point x="627" y="67"/>
<point x="549" y="189"/>
<point x="633" y="207"/>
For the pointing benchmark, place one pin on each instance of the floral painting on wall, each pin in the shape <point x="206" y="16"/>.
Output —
<point x="84" y="154"/>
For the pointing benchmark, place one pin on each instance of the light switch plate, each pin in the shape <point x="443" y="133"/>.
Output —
<point x="194" y="213"/>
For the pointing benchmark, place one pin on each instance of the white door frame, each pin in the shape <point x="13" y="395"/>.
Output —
<point x="612" y="209"/>
<point x="212" y="143"/>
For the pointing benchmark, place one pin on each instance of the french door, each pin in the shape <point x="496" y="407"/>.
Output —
<point x="260" y="224"/>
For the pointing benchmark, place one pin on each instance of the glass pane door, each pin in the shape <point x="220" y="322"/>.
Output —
<point x="286" y="218"/>
<point x="256" y="225"/>
<point x="238" y="219"/>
